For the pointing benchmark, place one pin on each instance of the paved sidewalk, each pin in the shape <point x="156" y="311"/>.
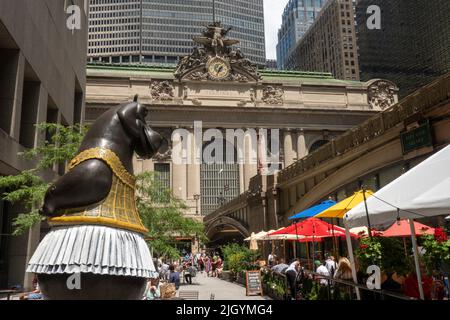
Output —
<point x="222" y="290"/>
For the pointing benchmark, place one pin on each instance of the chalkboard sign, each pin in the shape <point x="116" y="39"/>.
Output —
<point x="254" y="283"/>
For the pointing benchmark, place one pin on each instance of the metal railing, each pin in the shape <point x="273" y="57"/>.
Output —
<point x="312" y="279"/>
<point x="351" y="288"/>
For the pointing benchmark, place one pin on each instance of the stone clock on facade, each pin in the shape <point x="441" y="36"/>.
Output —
<point x="218" y="68"/>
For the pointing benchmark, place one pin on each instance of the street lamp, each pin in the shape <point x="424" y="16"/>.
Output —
<point x="196" y="198"/>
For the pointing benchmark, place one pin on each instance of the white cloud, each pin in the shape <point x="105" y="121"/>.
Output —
<point x="273" y="10"/>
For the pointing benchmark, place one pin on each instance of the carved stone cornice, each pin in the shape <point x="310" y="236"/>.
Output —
<point x="381" y="94"/>
<point x="161" y="90"/>
<point x="273" y="95"/>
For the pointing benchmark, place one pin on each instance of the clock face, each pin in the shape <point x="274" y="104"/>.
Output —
<point x="218" y="68"/>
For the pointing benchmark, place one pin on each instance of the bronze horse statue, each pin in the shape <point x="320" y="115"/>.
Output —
<point x="93" y="214"/>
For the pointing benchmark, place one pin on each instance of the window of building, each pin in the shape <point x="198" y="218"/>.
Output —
<point x="219" y="182"/>
<point x="162" y="175"/>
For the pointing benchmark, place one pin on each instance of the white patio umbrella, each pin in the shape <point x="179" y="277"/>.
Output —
<point x="256" y="236"/>
<point x="284" y="237"/>
<point x="420" y="192"/>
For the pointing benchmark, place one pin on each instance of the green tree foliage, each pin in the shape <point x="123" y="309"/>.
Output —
<point x="162" y="214"/>
<point x="238" y="258"/>
<point x="28" y="187"/>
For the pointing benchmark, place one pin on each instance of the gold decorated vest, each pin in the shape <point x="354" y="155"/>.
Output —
<point x="118" y="209"/>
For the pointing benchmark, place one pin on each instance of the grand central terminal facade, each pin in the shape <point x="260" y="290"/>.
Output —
<point x="217" y="86"/>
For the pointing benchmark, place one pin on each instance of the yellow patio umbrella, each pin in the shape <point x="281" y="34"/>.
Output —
<point x="341" y="208"/>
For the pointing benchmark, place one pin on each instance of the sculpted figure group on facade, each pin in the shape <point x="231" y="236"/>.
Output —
<point x="216" y="60"/>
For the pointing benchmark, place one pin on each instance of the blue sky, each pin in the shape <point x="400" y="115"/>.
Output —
<point x="273" y="10"/>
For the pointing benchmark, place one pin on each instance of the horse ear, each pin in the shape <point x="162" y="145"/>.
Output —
<point x="136" y="98"/>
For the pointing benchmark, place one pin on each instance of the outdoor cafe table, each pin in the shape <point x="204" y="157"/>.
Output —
<point x="8" y="293"/>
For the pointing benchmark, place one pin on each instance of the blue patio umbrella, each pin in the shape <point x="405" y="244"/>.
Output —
<point x="315" y="210"/>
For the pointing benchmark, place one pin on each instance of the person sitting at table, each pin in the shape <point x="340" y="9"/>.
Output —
<point x="322" y="270"/>
<point x="153" y="290"/>
<point x="188" y="273"/>
<point x="280" y="266"/>
<point x="35" y="294"/>
<point x="390" y="284"/>
<point x="411" y="286"/>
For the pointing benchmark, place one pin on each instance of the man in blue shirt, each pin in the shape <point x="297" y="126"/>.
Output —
<point x="174" y="276"/>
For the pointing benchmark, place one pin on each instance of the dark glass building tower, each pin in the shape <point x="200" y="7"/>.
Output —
<point x="161" y="31"/>
<point x="412" y="48"/>
<point x="298" y="17"/>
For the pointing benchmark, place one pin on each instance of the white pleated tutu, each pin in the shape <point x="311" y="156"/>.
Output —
<point x="93" y="249"/>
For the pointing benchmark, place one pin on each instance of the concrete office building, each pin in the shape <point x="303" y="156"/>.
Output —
<point x="153" y="31"/>
<point x="412" y="47"/>
<point x="43" y="75"/>
<point x="330" y="44"/>
<point x="298" y="16"/>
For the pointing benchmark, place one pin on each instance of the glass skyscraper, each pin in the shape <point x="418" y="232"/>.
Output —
<point x="298" y="16"/>
<point x="412" y="47"/>
<point x="161" y="31"/>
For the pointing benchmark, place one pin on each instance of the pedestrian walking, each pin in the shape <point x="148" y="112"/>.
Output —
<point x="208" y="265"/>
<point x="291" y="275"/>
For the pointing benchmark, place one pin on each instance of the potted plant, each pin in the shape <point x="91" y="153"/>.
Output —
<point x="437" y="252"/>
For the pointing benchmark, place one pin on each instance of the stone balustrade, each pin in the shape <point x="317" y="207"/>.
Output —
<point x="438" y="91"/>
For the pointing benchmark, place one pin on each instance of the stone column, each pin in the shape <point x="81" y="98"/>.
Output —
<point x="193" y="174"/>
<point x="242" y="188"/>
<point x="179" y="175"/>
<point x="251" y="165"/>
<point x="289" y="152"/>
<point x="34" y="235"/>
<point x="11" y="82"/>
<point x="302" y="150"/>
<point x="41" y="114"/>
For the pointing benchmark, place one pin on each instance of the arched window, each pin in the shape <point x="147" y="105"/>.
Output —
<point x="219" y="181"/>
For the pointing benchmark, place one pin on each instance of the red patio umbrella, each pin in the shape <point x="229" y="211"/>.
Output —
<point x="403" y="229"/>
<point x="313" y="227"/>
